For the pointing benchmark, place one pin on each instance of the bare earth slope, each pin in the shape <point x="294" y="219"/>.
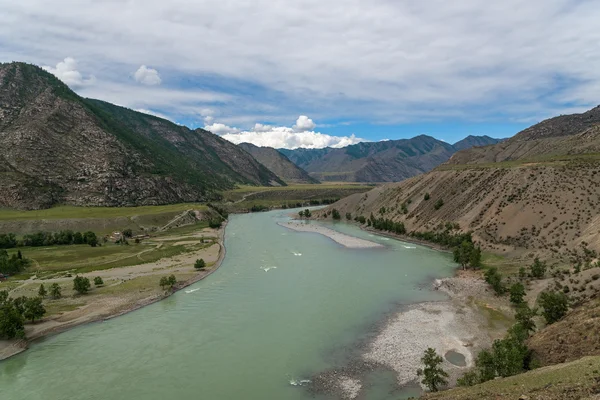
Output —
<point x="56" y="147"/>
<point x="279" y="164"/>
<point x="564" y="135"/>
<point x="549" y="207"/>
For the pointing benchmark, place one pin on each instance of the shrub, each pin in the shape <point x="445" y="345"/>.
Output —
<point x="427" y="196"/>
<point x="438" y="204"/>
<point x="200" y="264"/>
<point x="98" y="281"/>
<point x="517" y="293"/>
<point x="81" y="285"/>
<point x="493" y="277"/>
<point x="555" y="305"/>
<point x="335" y="214"/>
<point x="55" y="291"/>
<point x="538" y="269"/>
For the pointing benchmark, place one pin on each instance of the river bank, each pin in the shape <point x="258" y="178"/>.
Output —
<point x="470" y="319"/>
<point x="118" y="302"/>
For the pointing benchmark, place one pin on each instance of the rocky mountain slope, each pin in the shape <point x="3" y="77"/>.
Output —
<point x="522" y="207"/>
<point x="387" y="161"/>
<point x="475" y="141"/>
<point x="278" y="163"/>
<point x="559" y="136"/>
<point x="58" y="148"/>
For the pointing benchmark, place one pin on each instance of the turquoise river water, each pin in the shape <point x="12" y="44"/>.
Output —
<point x="283" y="306"/>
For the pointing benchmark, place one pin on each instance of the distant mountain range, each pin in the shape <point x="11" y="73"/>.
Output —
<point x="278" y="164"/>
<point x="59" y="148"/>
<point x="535" y="194"/>
<point x="386" y="161"/>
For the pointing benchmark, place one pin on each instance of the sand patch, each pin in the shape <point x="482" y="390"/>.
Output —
<point x="343" y="239"/>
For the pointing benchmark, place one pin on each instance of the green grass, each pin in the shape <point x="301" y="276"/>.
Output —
<point x="67" y="212"/>
<point x="575" y="380"/>
<point x="83" y="258"/>
<point x="505" y="265"/>
<point x="58" y="307"/>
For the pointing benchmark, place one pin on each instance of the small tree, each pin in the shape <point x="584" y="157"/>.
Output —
<point x="555" y="305"/>
<point x="34" y="309"/>
<point x="301" y="214"/>
<point x="307" y="213"/>
<point x="98" y="281"/>
<point x="427" y="196"/>
<point x="475" y="258"/>
<point x="493" y="277"/>
<point x="200" y="264"/>
<point x="55" y="291"/>
<point x="517" y="293"/>
<point x="11" y="320"/>
<point x="19" y="255"/>
<point x="348" y="216"/>
<point x="172" y="280"/>
<point x="81" y="285"/>
<point x="433" y="375"/>
<point x="128" y="233"/>
<point x="164" y="282"/>
<point x="524" y="317"/>
<point x="438" y="204"/>
<point x="522" y="273"/>
<point x="42" y="292"/>
<point x="538" y="269"/>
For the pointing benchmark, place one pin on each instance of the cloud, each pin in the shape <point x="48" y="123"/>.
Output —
<point x="304" y="124"/>
<point x="67" y="72"/>
<point x="381" y="61"/>
<point x="147" y="76"/>
<point x="222" y="129"/>
<point x="283" y="137"/>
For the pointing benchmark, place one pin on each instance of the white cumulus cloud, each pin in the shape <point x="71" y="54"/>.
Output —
<point x="304" y="124"/>
<point x="67" y="72"/>
<point x="282" y="136"/>
<point x="221" y="129"/>
<point x="147" y="76"/>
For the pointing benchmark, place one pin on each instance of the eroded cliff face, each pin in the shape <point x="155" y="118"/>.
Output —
<point x="56" y="147"/>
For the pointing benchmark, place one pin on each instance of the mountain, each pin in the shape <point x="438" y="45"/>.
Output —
<point x="475" y="141"/>
<point x="537" y="193"/>
<point x="386" y="161"/>
<point x="278" y="164"/>
<point x="564" y="135"/>
<point x="59" y="148"/>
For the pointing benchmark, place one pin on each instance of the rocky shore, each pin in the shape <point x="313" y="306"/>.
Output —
<point x="457" y="326"/>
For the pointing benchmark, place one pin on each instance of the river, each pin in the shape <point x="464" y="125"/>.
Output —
<point x="283" y="306"/>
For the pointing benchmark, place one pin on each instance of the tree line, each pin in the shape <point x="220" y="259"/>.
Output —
<point x="12" y="265"/>
<point x="14" y="313"/>
<point x="39" y="239"/>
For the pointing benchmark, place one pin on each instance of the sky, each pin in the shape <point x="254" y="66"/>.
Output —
<point x="313" y="73"/>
